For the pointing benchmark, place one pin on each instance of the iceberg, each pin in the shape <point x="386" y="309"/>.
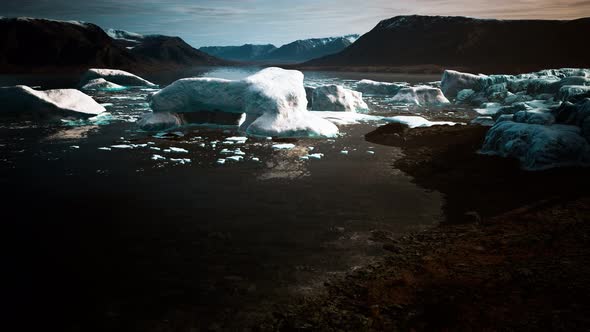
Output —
<point x="568" y="91"/>
<point x="486" y="121"/>
<point x="538" y="147"/>
<point x="414" y="121"/>
<point x="420" y="95"/>
<point x="534" y="116"/>
<point x="102" y="85"/>
<point x="453" y="81"/>
<point x="273" y="100"/>
<point x="115" y="76"/>
<point x="379" y="88"/>
<point x="335" y="98"/>
<point x="21" y="99"/>
<point x="159" y="121"/>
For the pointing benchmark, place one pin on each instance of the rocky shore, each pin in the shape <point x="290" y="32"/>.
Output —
<point x="512" y="254"/>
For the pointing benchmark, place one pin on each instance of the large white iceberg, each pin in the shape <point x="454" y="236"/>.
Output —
<point x="537" y="146"/>
<point x="115" y="76"/>
<point x="336" y="98"/>
<point x="273" y="100"/>
<point x="379" y="88"/>
<point x="60" y="102"/>
<point x="421" y="96"/>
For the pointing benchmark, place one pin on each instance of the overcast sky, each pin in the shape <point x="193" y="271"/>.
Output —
<point x="235" y="22"/>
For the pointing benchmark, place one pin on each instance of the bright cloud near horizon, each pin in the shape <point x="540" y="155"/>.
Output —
<point x="236" y="22"/>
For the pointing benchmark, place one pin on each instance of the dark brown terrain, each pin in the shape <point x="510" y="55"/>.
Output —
<point x="491" y="46"/>
<point x="512" y="255"/>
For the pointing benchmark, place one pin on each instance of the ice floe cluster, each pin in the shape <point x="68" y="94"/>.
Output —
<point x="538" y="118"/>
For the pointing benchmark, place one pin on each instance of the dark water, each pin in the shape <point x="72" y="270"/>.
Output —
<point x="113" y="240"/>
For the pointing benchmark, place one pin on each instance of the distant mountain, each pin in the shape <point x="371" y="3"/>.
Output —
<point x="476" y="44"/>
<point x="32" y="45"/>
<point x="247" y="52"/>
<point x="297" y="51"/>
<point x="307" y="49"/>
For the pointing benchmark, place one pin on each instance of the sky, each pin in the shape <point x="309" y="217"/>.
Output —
<point x="236" y="22"/>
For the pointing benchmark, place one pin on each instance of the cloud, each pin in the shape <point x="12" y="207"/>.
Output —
<point x="224" y="22"/>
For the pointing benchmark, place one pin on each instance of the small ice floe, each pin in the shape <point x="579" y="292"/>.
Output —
<point x="75" y="147"/>
<point x="237" y="139"/>
<point x="370" y="152"/>
<point x="220" y="161"/>
<point x="268" y="138"/>
<point x="122" y="146"/>
<point x="344" y="152"/>
<point x="316" y="156"/>
<point x="178" y="150"/>
<point x="255" y="159"/>
<point x="284" y="146"/>
<point x="104" y="148"/>
<point x="202" y="145"/>
<point x="310" y="148"/>
<point x="155" y="148"/>
<point x="234" y="158"/>
<point x="106" y="104"/>
<point x="236" y="152"/>
<point x="180" y="160"/>
<point x="304" y="157"/>
<point x="158" y="157"/>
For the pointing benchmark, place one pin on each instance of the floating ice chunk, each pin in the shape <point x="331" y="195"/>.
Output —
<point x="180" y="160"/>
<point x="486" y="121"/>
<point x="379" y="88"/>
<point x="413" y="121"/>
<point x="102" y="85"/>
<point x="370" y="152"/>
<point x="347" y="118"/>
<point x="273" y="99"/>
<point x="304" y="157"/>
<point x="115" y="76"/>
<point x="158" y="157"/>
<point x="284" y="146"/>
<point x="336" y="98"/>
<point x="255" y="159"/>
<point x="316" y="156"/>
<point x="220" y="161"/>
<point x="122" y="146"/>
<point x="538" y="146"/>
<point x="226" y="151"/>
<point x="75" y="147"/>
<point x="104" y="149"/>
<point x="420" y="95"/>
<point x="237" y="139"/>
<point x="344" y="152"/>
<point x="155" y="148"/>
<point x="453" y="81"/>
<point x="535" y="116"/>
<point x="489" y="109"/>
<point x="568" y="91"/>
<point x="234" y="158"/>
<point x="51" y="103"/>
<point x="177" y="150"/>
<point x="159" y="121"/>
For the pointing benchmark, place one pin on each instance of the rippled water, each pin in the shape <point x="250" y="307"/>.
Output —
<point x="128" y="242"/>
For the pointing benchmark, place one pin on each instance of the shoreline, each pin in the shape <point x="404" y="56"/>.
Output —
<point x="520" y="263"/>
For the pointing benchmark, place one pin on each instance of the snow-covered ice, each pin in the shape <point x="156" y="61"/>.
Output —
<point x="283" y="146"/>
<point x="22" y="99"/>
<point x="102" y="85"/>
<point x="538" y="146"/>
<point x="336" y="98"/>
<point x="420" y="95"/>
<point x="116" y="76"/>
<point x="379" y="88"/>
<point x="273" y="99"/>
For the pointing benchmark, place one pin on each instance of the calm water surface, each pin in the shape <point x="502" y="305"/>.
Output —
<point x="113" y="240"/>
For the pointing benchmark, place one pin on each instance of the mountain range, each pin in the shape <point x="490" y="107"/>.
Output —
<point x="297" y="51"/>
<point x="37" y="45"/>
<point x="466" y="43"/>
